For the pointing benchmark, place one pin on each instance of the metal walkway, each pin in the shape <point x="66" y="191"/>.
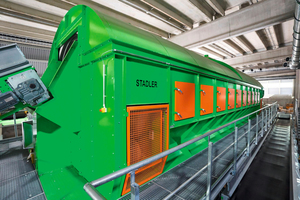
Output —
<point x="269" y="174"/>
<point x="163" y="185"/>
<point x="18" y="178"/>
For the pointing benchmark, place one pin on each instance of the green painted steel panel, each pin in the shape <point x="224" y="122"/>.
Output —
<point x="144" y="81"/>
<point x="76" y="142"/>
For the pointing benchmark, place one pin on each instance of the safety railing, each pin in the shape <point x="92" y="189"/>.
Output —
<point x="268" y="114"/>
<point x="294" y="154"/>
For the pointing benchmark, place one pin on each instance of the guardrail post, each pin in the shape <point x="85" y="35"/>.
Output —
<point x="270" y="117"/>
<point x="236" y="129"/>
<point x="248" y="138"/>
<point x="15" y="125"/>
<point x="209" y="170"/>
<point x="262" y="123"/>
<point x="266" y="120"/>
<point x="135" y="191"/>
<point x="256" y="129"/>
<point x="272" y="111"/>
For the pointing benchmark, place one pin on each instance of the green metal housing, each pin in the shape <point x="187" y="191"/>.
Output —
<point x="76" y="142"/>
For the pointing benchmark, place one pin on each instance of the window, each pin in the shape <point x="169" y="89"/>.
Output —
<point x="272" y="87"/>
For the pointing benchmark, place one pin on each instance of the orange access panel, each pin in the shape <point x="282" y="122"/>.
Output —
<point x="231" y="95"/>
<point x="244" y="98"/>
<point x="221" y="99"/>
<point x="249" y="97"/>
<point x="184" y="100"/>
<point x="238" y="98"/>
<point x="207" y="99"/>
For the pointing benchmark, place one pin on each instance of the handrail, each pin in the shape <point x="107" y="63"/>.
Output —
<point x="90" y="187"/>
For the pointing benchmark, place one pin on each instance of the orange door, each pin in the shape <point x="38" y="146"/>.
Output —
<point x="221" y="99"/>
<point x="238" y="98"/>
<point x="207" y="99"/>
<point x="249" y="97"/>
<point x="231" y="95"/>
<point x="253" y="98"/>
<point x="244" y="98"/>
<point x="147" y="136"/>
<point x="184" y="100"/>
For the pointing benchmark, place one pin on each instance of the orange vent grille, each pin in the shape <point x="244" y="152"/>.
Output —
<point x="147" y="135"/>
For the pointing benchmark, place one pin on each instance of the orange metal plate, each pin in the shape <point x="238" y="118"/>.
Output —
<point x="231" y="95"/>
<point x="207" y="99"/>
<point x="238" y="98"/>
<point x="185" y="101"/>
<point x="244" y="98"/>
<point x="249" y="97"/>
<point x="221" y="99"/>
<point x="147" y="135"/>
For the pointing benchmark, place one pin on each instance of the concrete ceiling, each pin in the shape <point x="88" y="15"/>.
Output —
<point x="251" y="35"/>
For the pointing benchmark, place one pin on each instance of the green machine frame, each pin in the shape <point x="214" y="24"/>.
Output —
<point x="99" y="66"/>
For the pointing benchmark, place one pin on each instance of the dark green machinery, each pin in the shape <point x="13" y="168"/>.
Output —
<point x="113" y="95"/>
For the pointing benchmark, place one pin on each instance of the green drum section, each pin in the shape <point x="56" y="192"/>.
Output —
<point x="108" y="81"/>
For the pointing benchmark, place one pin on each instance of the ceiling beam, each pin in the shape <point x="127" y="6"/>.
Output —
<point x="160" y="7"/>
<point x="216" y="6"/>
<point x="242" y="42"/>
<point x="208" y="51"/>
<point x="262" y="39"/>
<point x="41" y="7"/>
<point x="220" y="50"/>
<point x="129" y="11"/>
<point x="208" y="17"/>
<point x="125" y="18"/>
<point x="254" y="17"/>
<point x="26" y="13"/>
<point x="260" y="57"/>
<point x="234" y="46"/>
<point x="263" y="66"/>
<point x="57" y="3"/>
<point x="271" y="32"/>
<point x="285" y="72"/>
<point x="30" y="32"/>
<point x="154" y="13"/>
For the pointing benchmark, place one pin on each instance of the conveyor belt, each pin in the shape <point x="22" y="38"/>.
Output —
<point x="18" y="178"/>
<point x="268" y="177"/>
<point x="163" y="185"/>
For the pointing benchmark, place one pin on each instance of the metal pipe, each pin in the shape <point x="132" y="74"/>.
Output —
<point x="296" y="38"/>
<point x="94" y="194"/>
